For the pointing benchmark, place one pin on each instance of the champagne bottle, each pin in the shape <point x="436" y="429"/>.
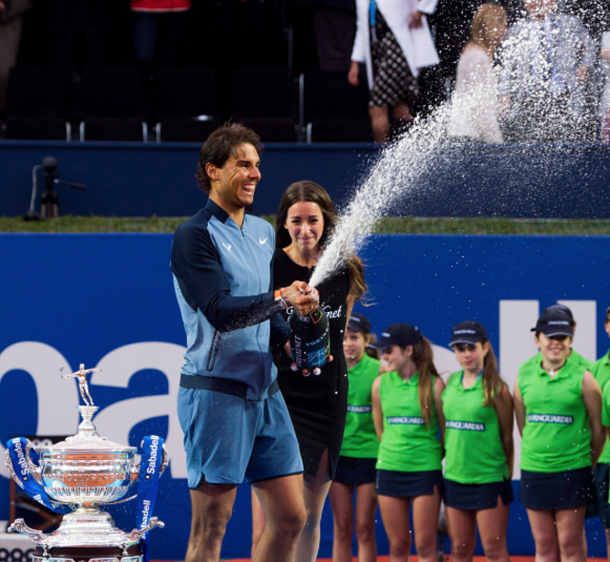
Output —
<point x="309" y="341"/>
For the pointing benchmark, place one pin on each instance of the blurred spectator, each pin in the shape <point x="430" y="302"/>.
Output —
<point x="546" y="60"/>
<point x="604" y="106"/>
<point x="11" y="12"/>
<point x="452" y="22"/>
<point x="474" y="110"/>
<point x="334" y="24"/>
<point x="453" y="19"/>
<point x="76" y="32"/>
<point x="157" y="31"/>
<point x="393" y="40"/>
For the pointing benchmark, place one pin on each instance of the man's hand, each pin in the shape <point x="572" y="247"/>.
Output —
<point x="416" y="20"/>
<point x="301" y="296"/>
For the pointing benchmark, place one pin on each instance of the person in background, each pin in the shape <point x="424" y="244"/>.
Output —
<point x="356" y="467"/>
<point x="11" y="12"/>
<point x="334" y="27"/>
<point x="558" y="410"/>
<point x="601" y="372"/>
<point x="604" y="105"/>
<point x="478" y="410"/>
<point x="408" y="414"/>
<point x="394" y="42"/>
<point x="574" y="356"/>
<point x="317" y="404"/>
<point x="546" y="59"/>
<point x="157" y="31"/>
<point x="474" y="111"/>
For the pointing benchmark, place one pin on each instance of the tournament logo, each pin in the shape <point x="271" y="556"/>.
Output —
<point x="465" y="425"/>
<point x="360" y="409"/>
<point x="405" y="420"/>
<point x="550" y="418"/>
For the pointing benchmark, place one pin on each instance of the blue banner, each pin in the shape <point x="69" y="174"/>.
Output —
<point x="17" y="453"/>
<point x="107" y="300"/>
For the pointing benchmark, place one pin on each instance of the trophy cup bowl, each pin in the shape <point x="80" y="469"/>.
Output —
<point x="84" y="472"/>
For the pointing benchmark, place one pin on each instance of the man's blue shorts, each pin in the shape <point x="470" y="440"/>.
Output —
<point x="228" y="438"/>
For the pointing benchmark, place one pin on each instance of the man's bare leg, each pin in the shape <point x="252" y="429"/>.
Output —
<point x="282" y="502"/>
<point x="212" y="505"/>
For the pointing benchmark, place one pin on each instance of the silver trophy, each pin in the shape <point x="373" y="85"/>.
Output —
<point x="86" y="471"/>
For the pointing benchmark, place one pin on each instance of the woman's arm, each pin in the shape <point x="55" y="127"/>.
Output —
<point x="592" y="397"/>
<point x="504" y="409"/>
<point x="377" y="411"/>
<point x="519" y="407"/>
<point x="439" y="386"/>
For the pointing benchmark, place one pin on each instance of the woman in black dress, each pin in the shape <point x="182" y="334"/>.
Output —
<point x="317" y="404"/>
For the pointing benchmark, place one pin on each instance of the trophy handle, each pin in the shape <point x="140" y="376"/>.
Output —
<point x="33" y="468"/>
<point x="19" y="526"/>
<point x="137" y="534"/>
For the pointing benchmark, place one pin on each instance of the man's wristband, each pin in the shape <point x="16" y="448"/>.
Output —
<point x="279" y="299"/>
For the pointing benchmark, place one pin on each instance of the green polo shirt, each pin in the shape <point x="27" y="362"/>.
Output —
<point x="471" y="428"/>
<point x="359" y="437"/>
<point x="556" y="436"/>
<point x="407" y="444"/>
<point x="601" y="372"/>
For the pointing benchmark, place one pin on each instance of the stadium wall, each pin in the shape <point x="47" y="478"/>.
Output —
<point x="136" y="179"/>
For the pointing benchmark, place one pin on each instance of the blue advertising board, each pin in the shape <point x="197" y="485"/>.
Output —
<point x="107" y="300"/>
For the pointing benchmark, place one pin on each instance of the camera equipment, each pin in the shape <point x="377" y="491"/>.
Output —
<point x="49" y="199"/>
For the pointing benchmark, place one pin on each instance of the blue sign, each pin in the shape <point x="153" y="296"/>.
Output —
<point x="107" y="300"/>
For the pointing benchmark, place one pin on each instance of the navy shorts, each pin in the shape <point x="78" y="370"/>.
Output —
<point x="228" y="438"/>
<point x="355" y="471"/>
<point x="477" y="496"/>
<point x="556" y="490"/>
<point x="600" y="475"/>
<point x="408" y="484"/>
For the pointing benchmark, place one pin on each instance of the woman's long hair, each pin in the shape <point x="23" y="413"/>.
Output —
<point x="426" y="370"/>
<point x="488" y="17"/>
<point x="491" y="376"/>
<point x="310" y="192"/>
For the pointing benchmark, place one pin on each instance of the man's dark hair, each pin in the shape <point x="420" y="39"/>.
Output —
<point x="222" y="144"/>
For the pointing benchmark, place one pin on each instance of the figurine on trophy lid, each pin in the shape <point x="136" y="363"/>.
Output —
<point x="78" y="475"/>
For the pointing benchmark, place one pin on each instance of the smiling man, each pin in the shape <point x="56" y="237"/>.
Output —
<point x="235" y="422"/>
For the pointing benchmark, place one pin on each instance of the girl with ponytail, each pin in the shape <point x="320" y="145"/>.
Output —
<point x="407" y="411"/>
<point x="478" y="410"/>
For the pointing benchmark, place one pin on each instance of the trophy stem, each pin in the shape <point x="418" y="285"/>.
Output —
<point x="87" y="427"/>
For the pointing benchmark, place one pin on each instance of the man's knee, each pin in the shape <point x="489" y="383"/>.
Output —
<point x="211" y="522"/>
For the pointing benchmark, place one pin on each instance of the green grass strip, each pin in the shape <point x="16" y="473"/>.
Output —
<point x="393" y="225"/>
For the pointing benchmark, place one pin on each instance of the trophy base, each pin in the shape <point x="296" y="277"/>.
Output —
<point x="132" y="553"/>
<point x="87" y="527"/>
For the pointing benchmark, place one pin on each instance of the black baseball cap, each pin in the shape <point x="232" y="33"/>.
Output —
<point x="398" y="334"/>
<point x="468" y="332"/>
<point x="561" y="307"/>
<point x="359" y="323"/>
<point x="554" y="323"/>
